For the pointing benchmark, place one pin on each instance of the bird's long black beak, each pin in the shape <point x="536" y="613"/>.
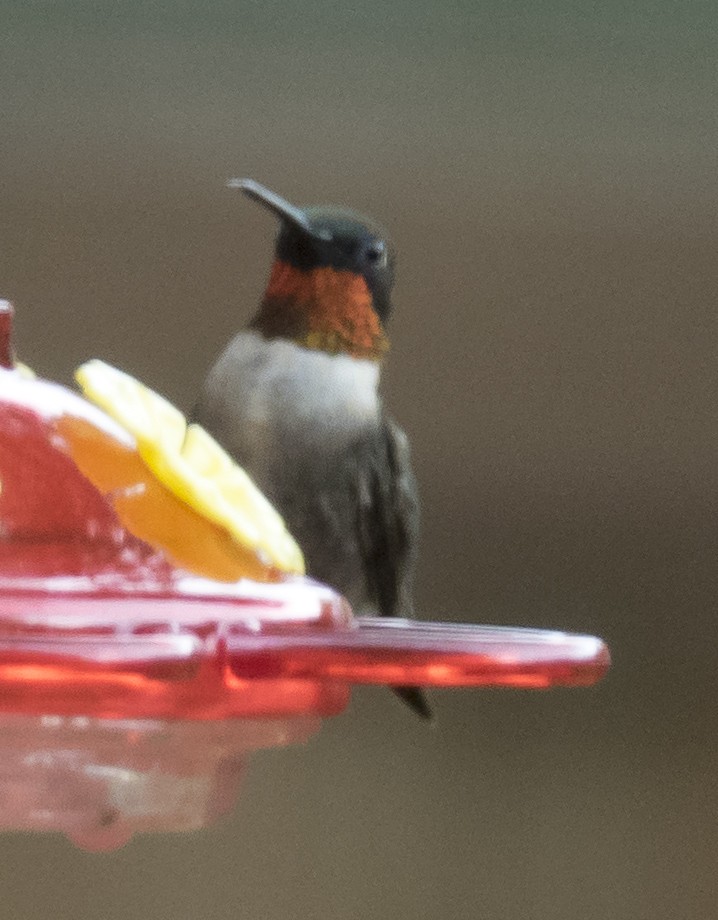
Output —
<point x="273" y="202"/>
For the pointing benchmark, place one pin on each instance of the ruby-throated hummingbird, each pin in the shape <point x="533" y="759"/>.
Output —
<point x="294" y="398"/>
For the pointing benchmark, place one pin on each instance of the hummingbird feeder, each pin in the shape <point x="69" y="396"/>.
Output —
<point x="156" y="625"/>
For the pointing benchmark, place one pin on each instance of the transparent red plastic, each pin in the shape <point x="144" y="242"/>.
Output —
<point x="120" y="668"/>
<point x="94" y="621"/>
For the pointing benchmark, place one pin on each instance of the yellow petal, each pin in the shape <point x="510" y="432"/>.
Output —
<point x="144" y="413"/>
<point x="189" y="462"/>
<point x="26" y="372"/>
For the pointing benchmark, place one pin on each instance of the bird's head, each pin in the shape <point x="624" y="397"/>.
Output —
<point x="330" y="285"/>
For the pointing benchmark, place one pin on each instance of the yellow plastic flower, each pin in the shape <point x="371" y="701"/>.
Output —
<point x="25" y="372"/>
<point x="192" y="465"/>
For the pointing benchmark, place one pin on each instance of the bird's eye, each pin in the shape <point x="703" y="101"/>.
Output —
<point x="376" y="254"/>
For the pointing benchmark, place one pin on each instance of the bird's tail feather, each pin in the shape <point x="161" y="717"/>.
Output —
<point x="416" y="700"/>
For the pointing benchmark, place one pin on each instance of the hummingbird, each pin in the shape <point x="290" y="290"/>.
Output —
<point x="294" y="398"/>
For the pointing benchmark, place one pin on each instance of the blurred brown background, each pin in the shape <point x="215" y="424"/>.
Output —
<point x="548" y="171"/>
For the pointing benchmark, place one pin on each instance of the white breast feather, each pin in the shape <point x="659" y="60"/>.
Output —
<point x="276" y="383"/>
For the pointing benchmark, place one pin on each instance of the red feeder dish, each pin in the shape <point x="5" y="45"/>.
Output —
<point x="139" y="632"/>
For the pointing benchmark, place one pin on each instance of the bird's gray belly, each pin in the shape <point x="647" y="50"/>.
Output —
<point x="314" y="489"/>
<point x="317" y="500"/>
<point x="304" y="461"/>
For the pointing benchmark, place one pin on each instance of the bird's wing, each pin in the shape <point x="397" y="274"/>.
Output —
<point x="388" y="521"/>
<point x="388" y="528"/>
